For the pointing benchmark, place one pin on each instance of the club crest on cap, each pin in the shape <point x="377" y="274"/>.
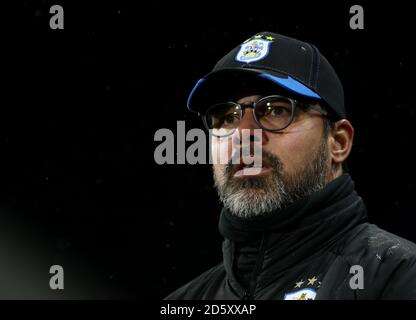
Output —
<point x="254" y="49"/>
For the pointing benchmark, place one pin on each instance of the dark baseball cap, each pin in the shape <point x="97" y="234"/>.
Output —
<point x="292" y="65"/>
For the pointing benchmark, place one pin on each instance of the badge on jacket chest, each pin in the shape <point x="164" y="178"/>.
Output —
<point x="304" y="290"/>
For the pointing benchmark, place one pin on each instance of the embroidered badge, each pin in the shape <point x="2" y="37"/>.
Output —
<point x="254" y="49"/>
<point x="308" y="293"/>
<point x="303" y="294"/>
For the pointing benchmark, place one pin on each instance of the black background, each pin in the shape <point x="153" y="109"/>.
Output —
<point x="79" y="184"/>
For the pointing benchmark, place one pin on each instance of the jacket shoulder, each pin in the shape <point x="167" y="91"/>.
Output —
<point x="388" y="262"/>
<point x="195" y="289"/>
<point x="374" y="242"/>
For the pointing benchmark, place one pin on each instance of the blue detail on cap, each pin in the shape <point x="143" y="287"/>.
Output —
<point x="193" y="91"/>
<point x="291" y="84"/>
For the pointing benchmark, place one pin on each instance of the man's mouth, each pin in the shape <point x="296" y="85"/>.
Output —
<point x="252" y="169"/>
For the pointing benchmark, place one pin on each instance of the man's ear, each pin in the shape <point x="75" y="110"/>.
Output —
<point x="341" y="138"/>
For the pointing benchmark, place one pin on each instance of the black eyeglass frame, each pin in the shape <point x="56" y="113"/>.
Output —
<point x="243" y="106"/>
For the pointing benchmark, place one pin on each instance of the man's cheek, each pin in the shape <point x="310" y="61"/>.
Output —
<point x="219" y="173"/>
<point x="221" y="150"/>
<point x="292" y="154"/>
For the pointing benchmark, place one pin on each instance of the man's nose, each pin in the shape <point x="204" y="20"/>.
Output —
<point x="249" y="124"/>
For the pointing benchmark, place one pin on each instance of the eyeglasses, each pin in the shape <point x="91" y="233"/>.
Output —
<point x="271" y="113"/>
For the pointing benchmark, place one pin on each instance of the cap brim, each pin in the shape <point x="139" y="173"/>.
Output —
<point x="204" y="87"/>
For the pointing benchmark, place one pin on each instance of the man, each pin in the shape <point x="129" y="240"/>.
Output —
<point x="295" y="228"/>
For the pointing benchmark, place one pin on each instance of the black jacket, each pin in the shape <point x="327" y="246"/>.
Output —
<point x="306" y="251"/>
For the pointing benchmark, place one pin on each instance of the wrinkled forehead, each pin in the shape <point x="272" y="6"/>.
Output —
<point x="249" y="98"/>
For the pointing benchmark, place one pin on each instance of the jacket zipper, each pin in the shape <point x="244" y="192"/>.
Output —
<point x="249" y="294"/>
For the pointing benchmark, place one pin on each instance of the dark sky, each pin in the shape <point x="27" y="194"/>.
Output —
<point x="81" y="107"/>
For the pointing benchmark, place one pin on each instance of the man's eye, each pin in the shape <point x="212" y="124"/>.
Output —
<point x="277" y="111"/>
<point x="229" y="119"/>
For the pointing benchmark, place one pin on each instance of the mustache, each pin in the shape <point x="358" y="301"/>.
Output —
<point x="268" y="160"/>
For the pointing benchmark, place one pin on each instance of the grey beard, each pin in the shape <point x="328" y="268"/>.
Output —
<point x="257" y="196"/>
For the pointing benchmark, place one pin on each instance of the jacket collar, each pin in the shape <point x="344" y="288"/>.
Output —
<point x="291" y="235"/>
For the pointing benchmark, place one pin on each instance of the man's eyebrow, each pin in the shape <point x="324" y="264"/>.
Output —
<point x="256" y="97"/>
